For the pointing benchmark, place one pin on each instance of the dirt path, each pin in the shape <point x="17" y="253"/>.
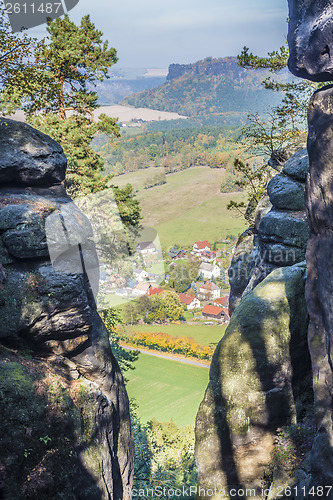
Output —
<point x="165" y="356"/>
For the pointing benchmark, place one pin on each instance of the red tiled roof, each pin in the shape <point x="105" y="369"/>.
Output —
<point x="212" y="310"/>
<point x="226" y="312"/>
<point x="202" y="244"/>
<point x="186" y="299"/>
<point x="155" y="291"/>
<point x="223" y="301"/>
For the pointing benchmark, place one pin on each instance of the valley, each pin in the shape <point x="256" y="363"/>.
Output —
<point x="188" y="207"/>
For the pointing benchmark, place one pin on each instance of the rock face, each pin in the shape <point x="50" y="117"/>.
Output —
<point x="256" y="378"/>
<point x="310" y="44"/>
<point x="319" y="288"/>
<point x="29" y="157"/>
<point x="310" y="39"/>
<point x="242" y="264"/>
<point x="285" y="192"/>
<point x="281" y="231"/>
<point x="256" y="369"/>
<point x="50" y="310"/>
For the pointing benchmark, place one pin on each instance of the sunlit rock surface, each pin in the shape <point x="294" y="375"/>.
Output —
<point x="259" y="377"/>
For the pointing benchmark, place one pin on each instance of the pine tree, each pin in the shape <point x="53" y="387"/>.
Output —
<point x="15" y="61"/>
<point x="55" y="90"/>
<point x="59" y="101"/>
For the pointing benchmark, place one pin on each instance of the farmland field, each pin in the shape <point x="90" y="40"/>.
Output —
<point x="203" y="334"/>
<point x="166" y="389"/>
<point x="188" y="207"/>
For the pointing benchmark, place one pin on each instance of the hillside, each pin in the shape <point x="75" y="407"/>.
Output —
<point x="122" y="82"/>
<point x="172" y="149"/>
<point x="188" y="207"/>
<point x="208" y="86"/>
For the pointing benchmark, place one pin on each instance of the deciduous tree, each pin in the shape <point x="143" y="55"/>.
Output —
<point x="282" y="128"/>
<point x="284" y="125"/>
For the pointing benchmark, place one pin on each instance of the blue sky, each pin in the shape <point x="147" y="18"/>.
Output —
<point x="156" y="33"/>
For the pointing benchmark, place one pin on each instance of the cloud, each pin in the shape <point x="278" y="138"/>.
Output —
<point x="150" y="33"/>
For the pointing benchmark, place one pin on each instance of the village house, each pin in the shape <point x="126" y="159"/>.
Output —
<point x="222" y="301"/>
<point x="116" y="280"/>
<point x="208" y="290"/>
<point x="177" y="253"/>
<point x="201" y="246"/>
<point x="225" y="315"/>
<point x="156" y="278"/>
<point x="188" y="301"/>
<point x="212" y="312"/>
<point x="217" y="313"/>
<point x="209" y="271"/>
<point x="131" y="283"/>
<point x="141" y="288"/>
<point x="146" y="247"/>
<point x="208" y="256"/>
<point x="140" y="274"/>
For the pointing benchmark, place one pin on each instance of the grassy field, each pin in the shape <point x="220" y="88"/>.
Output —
<point x="203" y="334"/>
<point x="106" y="300"/>
<point x="188" y="207"/>
<point x="166" y="389"/>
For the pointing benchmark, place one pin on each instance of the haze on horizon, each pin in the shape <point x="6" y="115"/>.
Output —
<point x="154" y="34"/>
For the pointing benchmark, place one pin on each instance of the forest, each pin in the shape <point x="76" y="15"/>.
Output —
<point x="172" y="149"/>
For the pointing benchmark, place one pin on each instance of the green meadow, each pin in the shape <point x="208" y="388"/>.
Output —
<point x="166" y="389"/>
<point x="188" y="207"/>
<point x="201" y="333"/>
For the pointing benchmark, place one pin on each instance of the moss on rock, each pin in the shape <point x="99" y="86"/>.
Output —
<point x="255" y="381"/>
<point x="48" y="423"/>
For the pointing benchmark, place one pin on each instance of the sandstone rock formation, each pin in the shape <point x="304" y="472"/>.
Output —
<point x="50" y="312"/>
<point x="319" y="201"/>
<point x="310" y="39"/>
<point x="310" y="43"/>
<point x="257" y="380"/>
<point x="281" y="231"/>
